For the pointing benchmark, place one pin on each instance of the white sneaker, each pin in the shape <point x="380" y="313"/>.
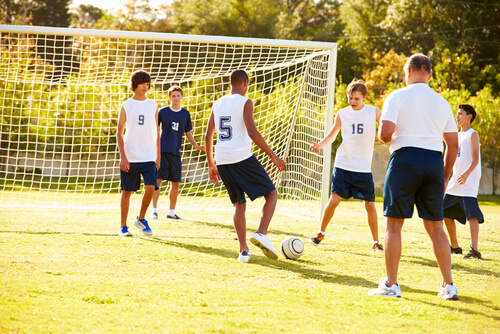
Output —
<point x="263" y="242"/>
<point x="244" y="256"/>
<point x="448" y="292"/>
<point x="386" y="291"/>
<point x="154" y="216"/>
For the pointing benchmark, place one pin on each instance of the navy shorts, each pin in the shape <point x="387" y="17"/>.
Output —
<point x="414" y="176"/>
<point x="462" y="208"/>
<point x="170" y="167"/>
<point x="247" y="176"/>
<point x="349" y="184"/>
<point x="131" y="181"/>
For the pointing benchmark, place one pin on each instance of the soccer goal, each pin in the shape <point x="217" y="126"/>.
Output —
<point x="61" y="91"/>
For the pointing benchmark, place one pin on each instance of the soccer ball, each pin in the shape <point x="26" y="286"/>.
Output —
<point x="292" y="248"/>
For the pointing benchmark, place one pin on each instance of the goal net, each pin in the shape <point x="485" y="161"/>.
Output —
<point x="61" y="91"/>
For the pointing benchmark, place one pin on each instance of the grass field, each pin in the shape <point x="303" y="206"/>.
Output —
<point x="67" y="271"/>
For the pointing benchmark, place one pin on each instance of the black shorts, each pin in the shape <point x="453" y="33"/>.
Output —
<point x="247" y="176"/>
<point x="462" y="208"/>
<point x="170" y="167"/>
<point x="131" y="180"/>
<point x="349" y="184"/>
<point x="414" y="176"/>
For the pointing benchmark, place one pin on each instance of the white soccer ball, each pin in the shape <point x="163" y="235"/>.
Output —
<point x="292" y="247"/>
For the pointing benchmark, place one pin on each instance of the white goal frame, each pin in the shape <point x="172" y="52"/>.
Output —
<point x="21" y="195"/>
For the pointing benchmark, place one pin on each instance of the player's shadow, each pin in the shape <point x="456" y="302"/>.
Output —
<point x="454" y="266"/>
<point x="296" y="267"/>
<point x="231" y="227"/>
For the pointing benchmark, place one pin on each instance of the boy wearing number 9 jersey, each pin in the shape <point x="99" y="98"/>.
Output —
<point x="352" y="176"/>
<point x="237" y="167"/>
<point x="139" y="150"/>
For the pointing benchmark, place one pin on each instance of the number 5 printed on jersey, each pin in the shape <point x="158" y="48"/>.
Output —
<point x="225" y="128"/>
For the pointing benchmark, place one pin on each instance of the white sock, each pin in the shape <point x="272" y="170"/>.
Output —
<point x="171" y="212"/>
<point x="155" y="210"/>
<point x="322" y="232"/>
<point x="374" y="242"/>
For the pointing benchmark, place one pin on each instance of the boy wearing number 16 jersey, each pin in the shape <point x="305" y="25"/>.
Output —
<point x="237" y="167"/>
<point x="352" y="175"/>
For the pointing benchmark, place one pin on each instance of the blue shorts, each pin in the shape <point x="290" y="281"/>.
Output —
<point x="131" y="180"/>
<point x="170" y="167"/>
<point x="247" y="176"/>
<point x="462" y="208"/>
<point x="349" y="184"/>
<point x="414" y="176"/>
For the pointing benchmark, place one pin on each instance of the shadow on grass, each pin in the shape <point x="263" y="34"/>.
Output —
<point x="432" y="263"/>
<point x="324" y="276"/>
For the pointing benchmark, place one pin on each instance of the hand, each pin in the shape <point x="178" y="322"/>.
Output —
<point x="462" y="178"/>
<point x="200" y="148"/>
<point x="213" y="173"/>
<point x="279" y="163"/>
<point x="315" y="147"/>
<point x="124" y="164"/>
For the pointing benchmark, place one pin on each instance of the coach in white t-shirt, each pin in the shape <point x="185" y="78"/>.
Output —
<point x="415" y="120"/>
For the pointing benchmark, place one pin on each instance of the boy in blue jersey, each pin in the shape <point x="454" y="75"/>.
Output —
<point x="174" y="121"/>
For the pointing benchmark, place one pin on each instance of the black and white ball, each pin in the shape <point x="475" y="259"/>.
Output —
<point x="292" y="248"/>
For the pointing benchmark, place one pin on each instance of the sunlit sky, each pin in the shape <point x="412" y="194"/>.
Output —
<point x="112" y="4"/>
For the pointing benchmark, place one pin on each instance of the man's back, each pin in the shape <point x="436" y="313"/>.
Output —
<point x="233" y="142"/>
<point x="421" y="116"/>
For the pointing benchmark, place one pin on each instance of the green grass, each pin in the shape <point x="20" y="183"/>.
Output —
<point x="67" y="271"/>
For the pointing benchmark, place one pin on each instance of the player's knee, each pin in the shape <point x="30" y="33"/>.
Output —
<point x="335" y="200"/>
<point x="272" y="196"/>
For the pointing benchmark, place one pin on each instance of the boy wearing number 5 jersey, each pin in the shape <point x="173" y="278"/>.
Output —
<point x="139" y="150"/>
<point x="352" y="175"/>
<point x="237" y="167"/>
<point x="174" y="121"/>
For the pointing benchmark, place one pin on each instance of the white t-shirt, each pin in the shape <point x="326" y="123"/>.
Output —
<point x="233" y="142"/>
<point x="464" y="158"/>
<point x="421" y="116"/>
<point x="141" y="130"/>
<point x="358" y="137"/>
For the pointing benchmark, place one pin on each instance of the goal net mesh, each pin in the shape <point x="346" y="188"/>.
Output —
<point x="60" y="96"/>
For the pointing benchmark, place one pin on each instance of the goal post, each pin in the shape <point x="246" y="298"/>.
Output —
<point x="61" y="91"/>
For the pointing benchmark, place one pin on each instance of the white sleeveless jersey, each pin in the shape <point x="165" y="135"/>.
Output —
<point x="233" y="143"/>
<point x="141" y="130"/>
<point x="464" y="158"/>
<point x="358" y="137"/>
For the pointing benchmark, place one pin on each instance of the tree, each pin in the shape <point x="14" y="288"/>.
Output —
<point x="86" y="16"/>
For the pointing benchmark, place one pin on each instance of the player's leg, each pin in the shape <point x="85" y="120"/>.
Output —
<point x="393" y="245"/>
<point x="371" y="212"/>
<point x="474" y="237"/>
<point x="174" y="193"/>
<point x="156" y="196"/>
<point x="149" y="191"/>
<point x="240" y="225"/>
<point x="271" y="199"/>
<point x="328" y="213"/>
<point x="452" y="232"/>
<point x="124" y="206"/>
<point x="441" y="247"/>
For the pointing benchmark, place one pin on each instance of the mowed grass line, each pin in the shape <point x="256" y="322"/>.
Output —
<point x="68" y="271"/>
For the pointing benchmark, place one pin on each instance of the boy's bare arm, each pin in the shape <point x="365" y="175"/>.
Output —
<point x="122" y="121"/>
<point x="191" y="139"/>
<point x="158" y="143"/>
<point x="450" y="155"/>
<point x="474" y="142"/>
<point x="329" y="138"/>
<point x="257" y="138"/>
<point x="209" y="145"/>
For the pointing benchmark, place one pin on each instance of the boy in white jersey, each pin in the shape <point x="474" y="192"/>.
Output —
<point x="352" y="175"/>
<point x="237" y="167"/>
<point x="460" y="200"/>
<point x="139" y="150"/>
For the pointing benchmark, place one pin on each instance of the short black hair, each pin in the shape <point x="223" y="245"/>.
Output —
<point x="469" y="110"/>
<point x="139" y="77"/>
<point x="238" y="77"/>
<point x="419" y="62"/>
